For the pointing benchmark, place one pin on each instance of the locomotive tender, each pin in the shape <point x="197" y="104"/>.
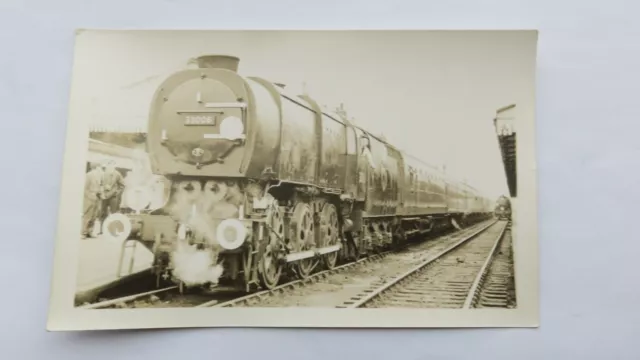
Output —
<point x="272" y="183"/>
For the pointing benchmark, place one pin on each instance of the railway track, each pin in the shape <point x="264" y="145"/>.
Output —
<point x="333" y="287"/>
<point x="172" y="296"/>
<point x="255" y="298"/>
<point x="453" y="278"/>
<point x="168" y="297"/>
<point x="131" y="299"/>
<point x="497" y="287"/>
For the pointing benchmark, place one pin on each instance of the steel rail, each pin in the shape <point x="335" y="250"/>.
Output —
<point x="292" y="284"/>
<point x="104" y="304"/>
<point x="247" y="298"/>
<point x="311" y="278"/>
<point x="418" y="267"/>
<point x="472" y="296"/>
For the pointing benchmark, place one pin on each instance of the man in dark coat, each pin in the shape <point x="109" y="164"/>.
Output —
<point x="92" y="197"/>
<point x="113" y="186"/>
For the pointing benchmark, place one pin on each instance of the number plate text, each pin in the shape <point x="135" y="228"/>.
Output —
<point x="199" y="120"/>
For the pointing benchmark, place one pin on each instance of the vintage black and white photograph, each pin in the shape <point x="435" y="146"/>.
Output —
<point x="299" y="178"/>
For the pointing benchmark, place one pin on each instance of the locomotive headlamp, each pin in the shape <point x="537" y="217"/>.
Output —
<point x="231" y="128"/>
<point x="231" y="234"/>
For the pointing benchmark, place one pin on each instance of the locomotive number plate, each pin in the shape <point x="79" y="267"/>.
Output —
<point x="199" y="120"/>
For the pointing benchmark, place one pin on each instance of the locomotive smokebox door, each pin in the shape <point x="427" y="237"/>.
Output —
<point x="199" y="120"/>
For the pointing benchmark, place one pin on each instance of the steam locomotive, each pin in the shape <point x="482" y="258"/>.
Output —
<point x="267" y="183"/>
<point x="503" y="208"/>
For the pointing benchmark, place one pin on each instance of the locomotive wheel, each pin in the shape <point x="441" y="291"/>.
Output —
<point x="270" y="268"/>
<point x="302" y="234"/>
<point x="329" y="230"/>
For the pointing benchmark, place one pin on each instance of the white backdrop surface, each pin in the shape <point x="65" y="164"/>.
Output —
<point x="588" y="120"/>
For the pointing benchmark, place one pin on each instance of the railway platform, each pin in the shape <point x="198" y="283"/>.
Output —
<point x="98" y="265"/>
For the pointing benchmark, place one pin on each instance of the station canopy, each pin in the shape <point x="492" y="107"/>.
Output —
<point x="504" y="124"/>
<point x="100" y="152"/>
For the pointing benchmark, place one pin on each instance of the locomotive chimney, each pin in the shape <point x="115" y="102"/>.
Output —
<point x="218" y="62"/>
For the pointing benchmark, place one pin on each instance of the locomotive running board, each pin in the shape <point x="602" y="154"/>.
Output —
<point x="311" y="253"/>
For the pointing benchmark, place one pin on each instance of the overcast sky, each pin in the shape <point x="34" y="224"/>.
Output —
<point x="433" y="94"/>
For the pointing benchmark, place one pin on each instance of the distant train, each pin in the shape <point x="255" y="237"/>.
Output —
<point x="503" y="208"/>
<point x="270" y="183"/>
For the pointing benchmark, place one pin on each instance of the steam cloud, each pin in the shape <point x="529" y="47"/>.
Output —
<point x="201" y="206"/>
<point x="195" y="267"/>
<point x="142" y="186"/>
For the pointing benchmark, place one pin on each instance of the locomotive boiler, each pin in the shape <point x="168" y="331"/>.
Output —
<point x="264" y="182"/>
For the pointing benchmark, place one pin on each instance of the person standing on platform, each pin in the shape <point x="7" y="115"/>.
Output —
<point x="92" y="197"/>
<point x="113" y="186"/>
